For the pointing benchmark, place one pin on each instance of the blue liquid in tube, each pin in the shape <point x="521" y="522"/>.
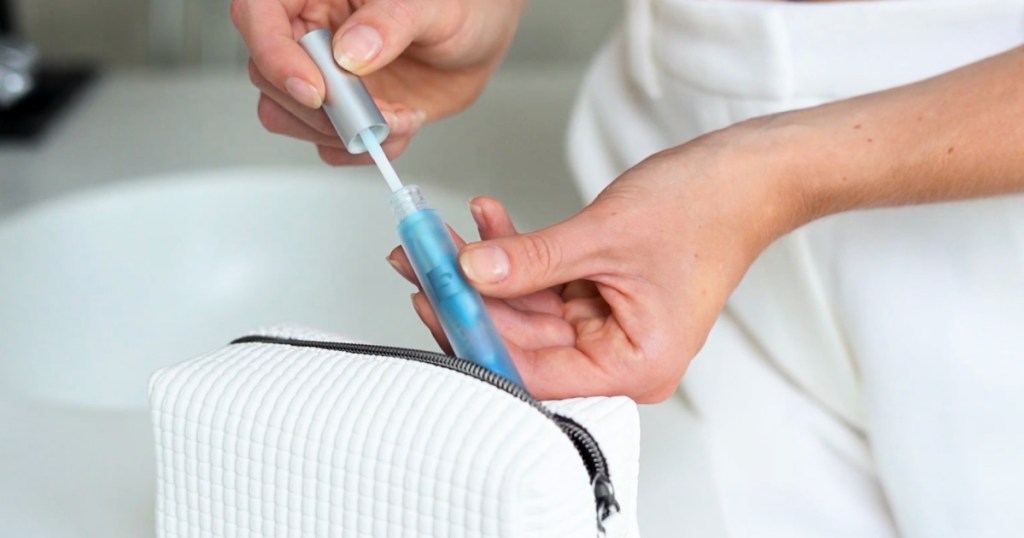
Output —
<point x="431" y="250"/>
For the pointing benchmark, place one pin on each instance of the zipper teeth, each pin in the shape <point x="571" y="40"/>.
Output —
<point x="579" y="437"/>
<point x="590" y="452"/>
<point x="445" y="361"/>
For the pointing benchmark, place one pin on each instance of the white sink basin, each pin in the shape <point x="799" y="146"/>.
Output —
<point x="100" y="289"/>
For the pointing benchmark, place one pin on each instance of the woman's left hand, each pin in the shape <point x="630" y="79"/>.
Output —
<point x="619" y="298"/>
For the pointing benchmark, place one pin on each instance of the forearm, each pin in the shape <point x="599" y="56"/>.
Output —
<point x="959" y="135"/>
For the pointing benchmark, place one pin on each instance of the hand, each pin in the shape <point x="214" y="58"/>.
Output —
<point x="620" y="297"/>
<point x="421" y="60"/>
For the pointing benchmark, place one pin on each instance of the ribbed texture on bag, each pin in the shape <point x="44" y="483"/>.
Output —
<point x="268" y="440"/>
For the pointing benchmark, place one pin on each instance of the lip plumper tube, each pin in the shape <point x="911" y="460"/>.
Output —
<point x="422" y="232"/>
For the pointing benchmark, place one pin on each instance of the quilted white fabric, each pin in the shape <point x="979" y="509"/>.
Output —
<point x="272" y="440"/>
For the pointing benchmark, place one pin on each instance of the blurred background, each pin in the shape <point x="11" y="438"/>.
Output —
<point x="172" y="87"/>
<point x="199" y="32"/>
<point x="150" y="218"/>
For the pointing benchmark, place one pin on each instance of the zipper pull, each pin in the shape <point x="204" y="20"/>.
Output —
<point x="604" y="494"/>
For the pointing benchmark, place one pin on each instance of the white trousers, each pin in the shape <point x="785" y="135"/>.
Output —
<point x="867" y="377"/>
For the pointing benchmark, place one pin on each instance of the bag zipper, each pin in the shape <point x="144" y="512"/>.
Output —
<point x="588" y="448"/>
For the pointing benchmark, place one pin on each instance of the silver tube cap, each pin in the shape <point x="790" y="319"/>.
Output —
<point x="348" y="104"/>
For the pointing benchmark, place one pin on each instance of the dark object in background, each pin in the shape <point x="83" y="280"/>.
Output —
<point x="31" y="95"/>
<point x="55" y="89"/>
<point x="6" y="18"/>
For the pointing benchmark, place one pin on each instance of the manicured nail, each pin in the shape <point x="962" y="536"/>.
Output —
<point x="488" y="265"/>
<point x="303" y="92"/>
<point x="478" y="214"/>
<point x="357" y="46"/>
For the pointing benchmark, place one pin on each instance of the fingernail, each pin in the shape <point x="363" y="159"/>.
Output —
<point x="415" y="303"/>
<point x="393" y="264"/>
<point x="478" y="214"/>
<point x="487" y="265"/>
<point x="418" y="119"/>
<point x="357" y="46"/>
<point x="391" y="119"/>
<point x="303" y="92"/>
<point x="398" y="268"/>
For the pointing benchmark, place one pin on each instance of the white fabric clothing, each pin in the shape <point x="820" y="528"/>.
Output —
<point x="867" y="378"/>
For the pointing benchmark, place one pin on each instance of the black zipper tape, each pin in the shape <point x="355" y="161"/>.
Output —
<point x="588" y="448"/>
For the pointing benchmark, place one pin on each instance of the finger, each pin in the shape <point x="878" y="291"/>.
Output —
<point x="541" y="302"/>
<point x="401" y="119"/>
<point x="607" y="365"/>
<point x="280" y="114"/>
<point x="426" y="314"/>
<point x="314" y="117"/>
<point x="493" y="222"/>
<point x="277" y="119"/>
<point x="400" y="259"/>
<point x="266" y="28"/>
<point x="400" y="262"/>
<point x="517" y="329"/>
<point x="459" y="241"/>
<point x="491" y="219"/>
<point x="561" y="372"/>
<point x="403" y="123"/>
<point x="542" y="369"/>
<point x="578" y="311"/>
<point x="529" y="330"/>
<point x="523" y="264"/>
<point x="378" y="32"/>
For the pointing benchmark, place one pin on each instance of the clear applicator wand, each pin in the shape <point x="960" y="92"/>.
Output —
<point x="423" y="234"/>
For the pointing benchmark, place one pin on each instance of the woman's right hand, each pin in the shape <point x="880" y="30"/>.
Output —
<point x="421" y="60"/>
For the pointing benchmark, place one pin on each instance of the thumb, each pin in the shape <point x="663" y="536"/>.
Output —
<point x="522" y="264"/>
<point x="380" y="31"/>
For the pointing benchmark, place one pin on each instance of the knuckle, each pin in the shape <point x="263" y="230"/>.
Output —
<point x="403" y="13"/>
<point x="541" y="254"/>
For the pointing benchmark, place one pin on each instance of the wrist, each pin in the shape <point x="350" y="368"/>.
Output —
<point x="773" y="161"/>
<point x="817" y="162"/>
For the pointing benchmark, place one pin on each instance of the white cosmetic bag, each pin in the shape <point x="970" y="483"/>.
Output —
<point x="290" y="433"/>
